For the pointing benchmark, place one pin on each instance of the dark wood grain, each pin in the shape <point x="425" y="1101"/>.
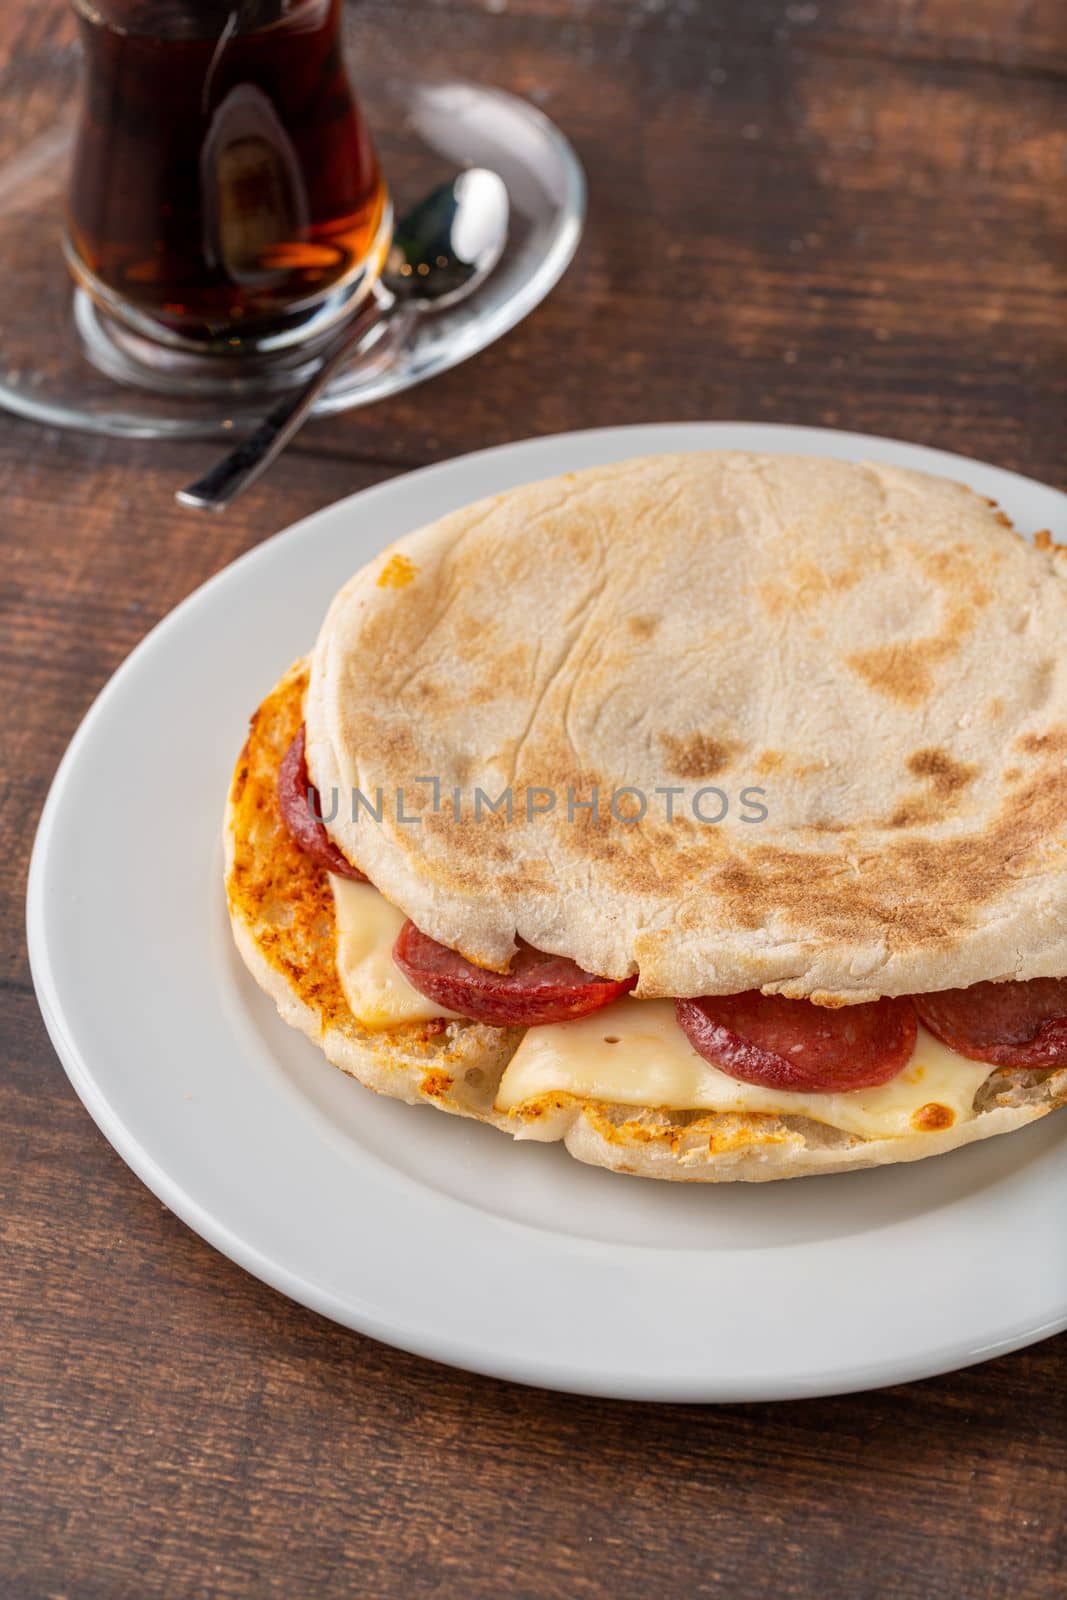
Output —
<point x="847" y="212"/>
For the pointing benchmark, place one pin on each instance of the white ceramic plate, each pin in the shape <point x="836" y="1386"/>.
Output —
<point x="430" y="1233"/>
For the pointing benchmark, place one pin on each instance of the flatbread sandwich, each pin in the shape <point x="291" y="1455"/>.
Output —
<point x="705" y="812"/>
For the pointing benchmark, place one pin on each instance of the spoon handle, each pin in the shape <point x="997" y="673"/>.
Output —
<point x="223" y="482"/>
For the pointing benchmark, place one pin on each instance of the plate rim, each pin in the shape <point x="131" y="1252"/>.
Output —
<point x="953" y="1354"/>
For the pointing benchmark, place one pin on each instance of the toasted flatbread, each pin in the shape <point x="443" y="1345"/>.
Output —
<point x="874" y="650"/>
<point x="282" y="915"/>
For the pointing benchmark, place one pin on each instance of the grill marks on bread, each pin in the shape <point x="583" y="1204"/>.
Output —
<point x="699" y="755"/>
<point x="922" y="891"/>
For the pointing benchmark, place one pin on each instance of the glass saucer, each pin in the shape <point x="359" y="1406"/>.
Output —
<point x="424" y="132"/>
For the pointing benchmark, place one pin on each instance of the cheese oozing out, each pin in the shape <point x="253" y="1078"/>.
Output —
<point x="634" y="1053"/>
<point x="378" y="994"/>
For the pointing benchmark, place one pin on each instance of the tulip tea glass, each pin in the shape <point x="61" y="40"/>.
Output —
<point x="226" y="208"/>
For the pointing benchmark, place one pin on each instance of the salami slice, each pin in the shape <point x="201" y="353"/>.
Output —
<point x="1006" y="1024"/>
<point x="792" y="1044"/>
<point x="296" y="796"/>
<point x="538" y="988"/>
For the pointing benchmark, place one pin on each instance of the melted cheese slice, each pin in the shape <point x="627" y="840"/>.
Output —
<point x="378" y="994"/>
<point x="634" y="1053"/>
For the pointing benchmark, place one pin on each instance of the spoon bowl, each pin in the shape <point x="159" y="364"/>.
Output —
<point x="450" y="242"/>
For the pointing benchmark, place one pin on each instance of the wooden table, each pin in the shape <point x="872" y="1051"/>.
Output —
<point x="848" y="212"/>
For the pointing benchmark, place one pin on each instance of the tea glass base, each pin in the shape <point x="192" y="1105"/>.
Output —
<point x="128" y="346"/>
<point x="136" y="361"/>
<point x="65" y="362"/>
